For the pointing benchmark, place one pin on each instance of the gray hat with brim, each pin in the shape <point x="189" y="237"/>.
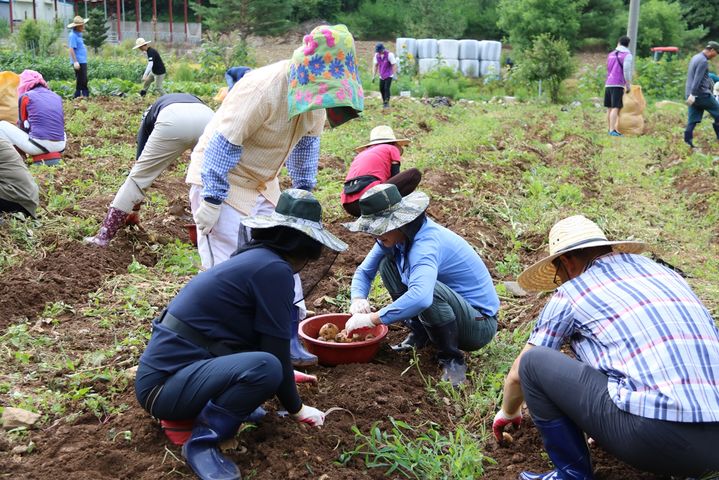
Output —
<point x="713" y="45"/>
<point x="384" y="209"/>
<point x="298" y="209"/>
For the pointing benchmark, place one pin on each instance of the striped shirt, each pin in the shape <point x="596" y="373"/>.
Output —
<point x="640" y="324"/>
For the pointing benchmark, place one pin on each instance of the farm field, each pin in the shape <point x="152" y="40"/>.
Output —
<point x="75" y="318"/>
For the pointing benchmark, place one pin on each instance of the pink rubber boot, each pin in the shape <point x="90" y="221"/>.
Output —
<point x="113" y="221"/>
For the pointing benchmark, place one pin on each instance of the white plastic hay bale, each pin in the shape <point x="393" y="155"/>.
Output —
<point x="489" y="68"/>
<point x="480" y="48"/>
<point x="452" y="63"/>
<point x="406" y="51"/>
<point x="468" y="50"/>
<point x="491" y="50"/>
<point x="469" y="68"/>
<point x="426" y="48"/>
<point x="448" y="48"/>
<point x="426" y="65"/>
<point x="405" y="46"/>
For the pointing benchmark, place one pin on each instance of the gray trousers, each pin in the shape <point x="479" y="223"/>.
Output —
<point x="556" y="385"/>
<point x="475" y="330"/>
<point x="178" y="127"/>
<point x="158" y="79"/>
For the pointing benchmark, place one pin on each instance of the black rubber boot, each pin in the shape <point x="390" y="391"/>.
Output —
<point x="716" y="129"/>
<point x="689" y="134"/>
<point x="213" y="425"/>
<point x="451" y="358"/>
<point x="567" y="449"/>
<point x="417" y="338"/>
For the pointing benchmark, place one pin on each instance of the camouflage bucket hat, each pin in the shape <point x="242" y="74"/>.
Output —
<point x="298" y="209"/>
<point x="323" y="74"/>
<point x="383" y="209"/>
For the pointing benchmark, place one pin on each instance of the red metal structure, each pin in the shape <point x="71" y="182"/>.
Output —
<point x="137" y="17"/>
<point x="184" y="9"/>
<point x="11" y="20"/>
<point x="34" y="10"/>
<point x="170" y="3"/>
<point x="119" y="24"/>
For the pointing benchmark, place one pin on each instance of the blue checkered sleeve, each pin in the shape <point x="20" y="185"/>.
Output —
<point x="221" y="156"/>
<point x="303" y="162"/>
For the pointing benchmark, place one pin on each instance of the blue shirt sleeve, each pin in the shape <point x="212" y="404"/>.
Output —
<point x="423" y="271"/>
<point x="221" y="156"/>
<point x="303" y="162"/>
<point x="365" y="273"/>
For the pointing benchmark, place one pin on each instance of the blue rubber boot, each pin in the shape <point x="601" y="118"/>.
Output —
<point x="300" y="356"/>
<point x="213" y="425"/>
<point x="567" y="449"/>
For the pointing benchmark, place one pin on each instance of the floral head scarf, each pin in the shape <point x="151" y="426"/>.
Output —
<point x="323" y="74"/>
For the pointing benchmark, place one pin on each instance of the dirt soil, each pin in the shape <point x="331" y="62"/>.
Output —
<point x="92" y="448"/>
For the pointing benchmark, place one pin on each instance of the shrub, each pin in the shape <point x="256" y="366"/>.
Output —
<point x="38" y="37"/>
<point x="443" y="82"/>
<point x="662" y="80"/>
<point x="58" y="67"/>
<point x="525" y="19"/>
<point x="376" y="19"/>
<point x="96" y="29"/>
<point x="549" y="61"/>
<point x="4" y="28"/>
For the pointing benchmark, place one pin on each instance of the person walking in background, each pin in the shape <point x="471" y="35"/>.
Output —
<point x="155" y="71"/>
<point x="619" y="78"/>
<point x="377" y="162"/>
<point x="78" y="55"/>
<point x="169" y="127"/>
<point x="384" y="64"/>
<point x="699" y="92"/>
<point x="41" y="120"/>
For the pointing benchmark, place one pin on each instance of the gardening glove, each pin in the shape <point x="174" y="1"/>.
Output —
<point x="691" y="99"/>
<point x="502" y="419"/>
<point x="359" y="321"/>
<point x="360" y="305"/>
<point x="76" y="65"/>
<point x="310" y="416"/>
<point x="206" y="216"/>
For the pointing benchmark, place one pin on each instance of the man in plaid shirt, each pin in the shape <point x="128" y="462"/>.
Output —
<point x="645" y="380"/>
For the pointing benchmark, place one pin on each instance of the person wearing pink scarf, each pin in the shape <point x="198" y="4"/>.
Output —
<point x="41" y="123"/>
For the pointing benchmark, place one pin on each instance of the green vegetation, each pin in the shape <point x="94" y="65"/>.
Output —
<point x="96" y="29"/>
<point x="536" y="68"/>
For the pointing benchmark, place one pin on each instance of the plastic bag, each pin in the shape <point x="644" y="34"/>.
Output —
<point x="8" y="96"/>
<point x="631" y="116"/>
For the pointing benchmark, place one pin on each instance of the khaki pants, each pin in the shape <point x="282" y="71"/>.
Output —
<point x="158" y="79"/>
<point x="178" y="127"/>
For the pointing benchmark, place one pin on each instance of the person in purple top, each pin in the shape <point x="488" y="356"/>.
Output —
<point x="619" y="79"/>
<point x="384" y="64"/>
<point x="41" y="123"/>
<point x="643" y="378"/>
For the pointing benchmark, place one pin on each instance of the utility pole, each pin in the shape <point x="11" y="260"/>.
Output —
<point x="633" y="26"/>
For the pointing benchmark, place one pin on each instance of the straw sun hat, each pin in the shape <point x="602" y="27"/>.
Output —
<point x="382" y="134"/>
<point x="77" y="21"/>
<point x="140" y="42"/>
<point x="298" y="209"/>
<point x="572" y="233"/>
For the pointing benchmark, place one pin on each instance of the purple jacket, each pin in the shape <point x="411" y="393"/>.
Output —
<point x="619" y="68"/>
<point x="42" y="109"/>
<point x="384" y="64"/>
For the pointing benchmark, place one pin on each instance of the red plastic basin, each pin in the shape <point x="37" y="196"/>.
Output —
<point x="331" y="354"/>
<point x="192" y="232"/>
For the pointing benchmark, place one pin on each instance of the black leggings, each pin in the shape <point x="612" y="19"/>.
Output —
<point x="384" y="87"/>
<point x="555" y="385"/>
<point x="405" y="182"/>
<point x="81" y="82"/>
<point x="12" y="207"/>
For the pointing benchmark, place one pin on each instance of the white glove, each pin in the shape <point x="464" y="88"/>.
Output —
<point x="310" y="416"/>
<point x="691" y="99"/>
<point x="76" y="65"/>
<point x="357" y="321"/>
<point x="206" y="216"/>
<point x="360" y="305"/>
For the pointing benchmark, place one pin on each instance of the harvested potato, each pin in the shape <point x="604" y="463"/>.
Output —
<point x="369" y="336"/>
<point x="342" y="338"/>
<point x="507" y="438"/>
<point x="328" y="331"/>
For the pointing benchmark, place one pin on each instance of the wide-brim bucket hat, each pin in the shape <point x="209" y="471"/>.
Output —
<point x="572" y="233"/>
<point x="323" y="74"/>
<point x="298" y="209"/>
<point x="140" y="42"/>
<point x="77" y="21"/>
<point x="382" y="134"/>
<point x="384" y="209"/>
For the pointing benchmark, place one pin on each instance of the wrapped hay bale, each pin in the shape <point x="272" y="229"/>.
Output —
<point x="631" y="116"/>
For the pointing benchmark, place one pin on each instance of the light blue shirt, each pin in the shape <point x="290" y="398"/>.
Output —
<point x="74" y="41"/>
<point x="436" y="254"/>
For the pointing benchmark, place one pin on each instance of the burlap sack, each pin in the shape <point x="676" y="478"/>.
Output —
<point x="8" y="96"/>
<point x="631" y="116"/>
<point x="221" y="94"/>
